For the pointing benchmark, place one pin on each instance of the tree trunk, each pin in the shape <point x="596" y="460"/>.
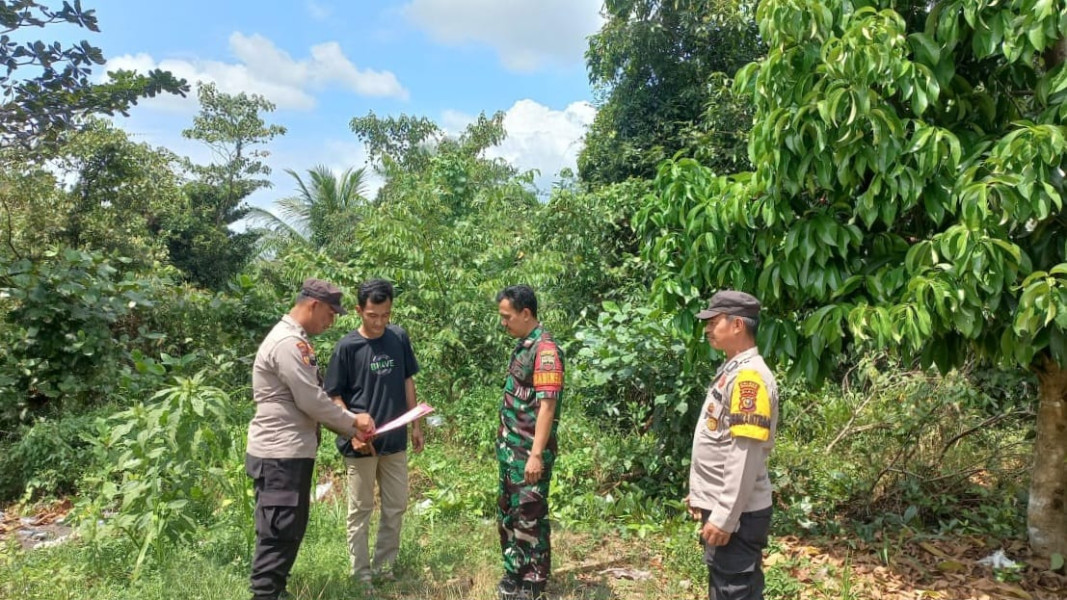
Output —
<point x="1047" y="511"/>
<point x="1056" y="54"/>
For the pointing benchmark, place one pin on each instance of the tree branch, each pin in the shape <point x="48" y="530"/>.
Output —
<point x="982" y="425"/>
<point x="1056" y="54"/>
<point x="847" y="429"/>
<point x="8" y="238"/>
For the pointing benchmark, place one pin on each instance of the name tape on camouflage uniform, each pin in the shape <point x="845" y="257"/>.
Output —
<point x="548" y="378"/>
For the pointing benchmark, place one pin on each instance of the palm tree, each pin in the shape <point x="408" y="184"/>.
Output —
<point x="321" y="216"/>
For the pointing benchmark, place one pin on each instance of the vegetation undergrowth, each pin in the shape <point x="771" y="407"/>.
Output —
<point x="143" y="543"/>
<point x="914" y="298"/>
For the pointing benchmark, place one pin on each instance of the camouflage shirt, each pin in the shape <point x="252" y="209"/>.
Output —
<point x="535" y="373"/>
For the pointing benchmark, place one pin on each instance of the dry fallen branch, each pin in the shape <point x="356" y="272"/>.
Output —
<point x="987" y="423"/>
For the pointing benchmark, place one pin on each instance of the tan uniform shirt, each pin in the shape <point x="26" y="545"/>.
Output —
<point x="734" y="437"/>
<point x="290" y="401"/>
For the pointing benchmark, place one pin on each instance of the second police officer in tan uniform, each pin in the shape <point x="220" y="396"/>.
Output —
<point x="283" y="437"/>
<point x="729" y="489"/>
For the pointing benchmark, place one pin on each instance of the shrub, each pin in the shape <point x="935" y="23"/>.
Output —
<point x="472" y="421"/>
<point x="46" y="458"/>
<point x="63" y="337"/>
<point x="893" y="446"/>
<point x="165" y="468"/>
<point x="630" y="374"/>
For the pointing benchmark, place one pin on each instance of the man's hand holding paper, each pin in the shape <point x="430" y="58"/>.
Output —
<point x="364" y="446"/>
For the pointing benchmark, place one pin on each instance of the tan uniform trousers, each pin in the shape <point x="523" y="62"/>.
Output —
<point x="390" y="472"/>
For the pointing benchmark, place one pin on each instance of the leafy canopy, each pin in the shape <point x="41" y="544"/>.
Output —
<point x="35" y="110"/>
<point x="908" y="188"/>
<point x="659" y="68"/>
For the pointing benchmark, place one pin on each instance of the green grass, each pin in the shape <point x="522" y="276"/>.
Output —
<point x="450" y="559"/>
<point x="449" y="551"/>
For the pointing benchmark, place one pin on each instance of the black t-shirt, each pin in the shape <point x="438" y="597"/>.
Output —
<point x="369" y="376"/>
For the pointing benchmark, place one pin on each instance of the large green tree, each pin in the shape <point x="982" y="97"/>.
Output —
<point x="659" y="69"/>
<point x="123" y="195"/>
<point x="37" y="109"/>
<point x="451" y="228"/>
<point x="907" y="193"/>
<point x="101" y="191"/>
<point x="202" y="244"/>
<point x="591" y="233"/>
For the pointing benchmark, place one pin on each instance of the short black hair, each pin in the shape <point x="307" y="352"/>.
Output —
<point x="520" y="297"/>
<point x="374" y="290"/>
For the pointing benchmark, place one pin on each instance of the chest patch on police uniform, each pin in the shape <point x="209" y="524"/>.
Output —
<point x="750" y="407"/>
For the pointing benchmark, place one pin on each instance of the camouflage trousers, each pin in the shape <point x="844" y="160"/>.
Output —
<point x="522" y="519"/>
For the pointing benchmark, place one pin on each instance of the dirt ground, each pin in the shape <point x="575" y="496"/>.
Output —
<point x="46" y="526"/>
<point x="904" y="568"/>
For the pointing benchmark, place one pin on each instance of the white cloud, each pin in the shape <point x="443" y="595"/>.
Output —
<point x="318" y="10"/>
<point x="263" y="68"/>
<point x="537" y="137"/>
<point x="454" y="121"/>
<point x="525" y="34"/>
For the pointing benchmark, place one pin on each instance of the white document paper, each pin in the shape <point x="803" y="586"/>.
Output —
<point x="418" y="412"/>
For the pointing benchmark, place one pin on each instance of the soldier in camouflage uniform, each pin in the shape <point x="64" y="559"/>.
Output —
<point x="526" y="446"/>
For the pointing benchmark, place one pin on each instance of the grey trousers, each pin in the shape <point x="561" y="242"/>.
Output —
<point x="735" y="571"/>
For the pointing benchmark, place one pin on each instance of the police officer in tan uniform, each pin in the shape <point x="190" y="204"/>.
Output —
<point x="284" y="434"/>
<point x="729" y="489"/>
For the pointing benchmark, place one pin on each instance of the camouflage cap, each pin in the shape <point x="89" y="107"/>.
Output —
<point x="323" y="291"/>
<point x="733" y="303"/>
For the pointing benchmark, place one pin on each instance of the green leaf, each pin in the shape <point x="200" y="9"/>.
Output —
<point x="919" y="101"/>
<point x="1036" y="35"/>
<point x="982" y="42"/>
<point x="926" y="49"/>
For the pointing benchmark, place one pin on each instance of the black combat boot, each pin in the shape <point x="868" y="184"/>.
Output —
<point x="532" y="590"/>
<point x="508" y="588"/>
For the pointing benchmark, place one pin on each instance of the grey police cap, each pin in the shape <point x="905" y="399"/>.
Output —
<point x="323" y="291"/>
<point x="733" y="303"/>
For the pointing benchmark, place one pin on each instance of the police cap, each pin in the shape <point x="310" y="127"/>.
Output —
<point x="733" y="303"/>
<point x="323" y="291"/>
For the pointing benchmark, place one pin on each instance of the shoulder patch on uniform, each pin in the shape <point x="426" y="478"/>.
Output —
<point x="547" y="359"/>
<point x="307" y="355"/>
<point x="548" y="369"/>
<point x="750" y="406"/>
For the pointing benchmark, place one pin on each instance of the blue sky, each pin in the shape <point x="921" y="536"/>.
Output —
<point x="325" y="61"/>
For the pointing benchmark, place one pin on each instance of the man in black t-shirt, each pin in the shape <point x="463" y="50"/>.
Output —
<point x="371" y="371"/>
